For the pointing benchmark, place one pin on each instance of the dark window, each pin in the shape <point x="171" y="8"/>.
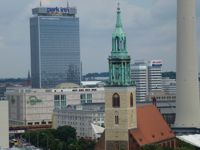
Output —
<point x="131" y="100"/>
<point x="30" y="123"/>
<point x="116" y="119"/>
<point x="116" y="100"/>
<point x="172" y="144"/>
<point x="168" y="144"/>
<point x="117" y="146"/>
<point x="37" y="123"/>
<point x="43" y="122"/>
<point x="56" y="97"/>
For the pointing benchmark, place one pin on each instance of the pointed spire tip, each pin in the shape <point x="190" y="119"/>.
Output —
<point x="118" y="6"/>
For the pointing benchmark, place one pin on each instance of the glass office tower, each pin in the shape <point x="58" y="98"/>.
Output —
<point x="55" y="47"/>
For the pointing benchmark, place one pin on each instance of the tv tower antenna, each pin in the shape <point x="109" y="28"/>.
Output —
<point x="67" y="4"/>
<point x="40" y="3"/>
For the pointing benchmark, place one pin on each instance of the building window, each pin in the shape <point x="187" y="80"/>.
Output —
<point x="116" y="119"/>
<point x="56" y="97"/>
<point x="116" y="100"/>
<point x="86" y="98"/>
<point x="131" y="100"/>
<point x="63" y="97"/>
<point x="116" y="146"/>
<point x="172" y="144"/>
<point x="30" y="123"/>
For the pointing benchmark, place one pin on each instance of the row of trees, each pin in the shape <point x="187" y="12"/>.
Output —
<point x="182" y="146"/>
<point x="170" y="74"/>
<point x="62" y="138"/>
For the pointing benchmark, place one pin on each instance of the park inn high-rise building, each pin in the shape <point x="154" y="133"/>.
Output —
<point x="55" y="46"/>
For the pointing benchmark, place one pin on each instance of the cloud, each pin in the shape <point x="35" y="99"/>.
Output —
<point x="1" y="41"/>
<point x="150" y="27"/>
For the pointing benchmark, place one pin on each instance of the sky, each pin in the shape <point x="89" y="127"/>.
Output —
<point x="150" y="26"/>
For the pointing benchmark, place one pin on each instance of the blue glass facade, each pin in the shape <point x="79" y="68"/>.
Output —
<point x="55" y="50"/>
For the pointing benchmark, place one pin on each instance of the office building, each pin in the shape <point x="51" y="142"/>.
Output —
<point x="169" y="85"/>
<point x="4" y="130"/>
<point x="139" y="74"/>
<point x="55" y="47"/>
<point x="147" y="77"/>
<point x="81" y="117"/>
<point x="155" y="75"/>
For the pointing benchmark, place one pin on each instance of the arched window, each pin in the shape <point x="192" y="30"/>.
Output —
<point x="116" y="100"/>
<point x="131" y="100"/>
<point x="117" y="43"/>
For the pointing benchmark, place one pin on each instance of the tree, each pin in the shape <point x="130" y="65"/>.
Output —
<point x="66" y="133"/>
<point x="62" y="138"/>
<point x="155" y="147"/>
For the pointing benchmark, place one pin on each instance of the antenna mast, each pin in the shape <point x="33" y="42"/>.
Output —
<point x="40" y="3"/>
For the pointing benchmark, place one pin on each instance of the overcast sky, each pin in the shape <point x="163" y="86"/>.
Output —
<point x="150" y="26"/>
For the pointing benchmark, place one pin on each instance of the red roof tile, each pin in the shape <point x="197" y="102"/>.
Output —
<point x="152" y="127"/>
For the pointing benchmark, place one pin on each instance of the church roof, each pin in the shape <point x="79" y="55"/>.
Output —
<point x="152" y="127"/>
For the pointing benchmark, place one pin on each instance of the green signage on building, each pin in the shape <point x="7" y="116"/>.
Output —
<point x="33" y="100"/>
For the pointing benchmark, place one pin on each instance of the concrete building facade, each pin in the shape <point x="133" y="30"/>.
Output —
<point x="81" y="118"/>
<point x="29" y="107"/>
<point x="155" y="75"/>
<point x="169" y="85"/>
<point x="4" y="125"/>
<point x="147" y="77"/>
<point x="35" y="106"/>
<point x="139" y="73"/>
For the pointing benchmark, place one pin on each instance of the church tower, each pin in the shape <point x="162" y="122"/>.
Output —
<point x="120" y="95"/>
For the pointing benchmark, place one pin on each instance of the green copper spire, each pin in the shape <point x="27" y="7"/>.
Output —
<point x="118" y="22"/>
<point x="119" y="61"/>
<point x="119" y="37"/>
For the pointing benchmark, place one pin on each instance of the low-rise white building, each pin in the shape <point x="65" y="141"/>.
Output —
<point x="169" y="85"/>
<point x="4" y="126"/>
<point x="81" y="117"/>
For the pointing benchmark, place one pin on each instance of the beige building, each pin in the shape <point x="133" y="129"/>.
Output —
<point x="29" y="106"/>
<point x="4" y="131"/>
<point x="161" y="96"/>
<point x="35" y="106"/>
<point x="120" y="116"/>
